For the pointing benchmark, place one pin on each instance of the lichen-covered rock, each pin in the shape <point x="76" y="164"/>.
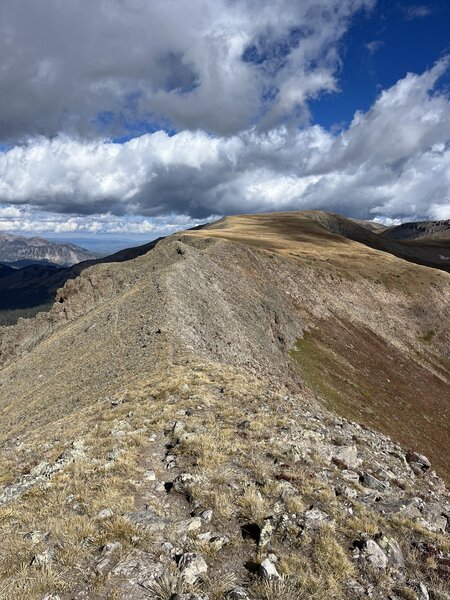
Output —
<point x="348" y="456"/>
<point x="374" y="555"/>
<point x="192" y="565"/>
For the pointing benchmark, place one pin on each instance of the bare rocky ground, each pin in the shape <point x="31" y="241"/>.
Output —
<point x="158" y="441"/>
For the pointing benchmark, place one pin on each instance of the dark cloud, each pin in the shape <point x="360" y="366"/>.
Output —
<point x="65" y="63"/>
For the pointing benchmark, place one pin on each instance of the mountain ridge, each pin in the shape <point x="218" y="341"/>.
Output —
<point x="17" y="247"/>
<point x="431" y="230"/>
<point x="185" y="381"/>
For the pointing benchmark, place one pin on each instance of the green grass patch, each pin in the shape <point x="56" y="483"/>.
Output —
<point x="427" y="338"/>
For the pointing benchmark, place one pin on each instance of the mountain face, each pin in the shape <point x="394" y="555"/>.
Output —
<point x="430" y="230"/>
<point x="33" y="288"/>
<point x="17" y="249"/>
<point x="30" y="289"/>
<point x="255" y="410"/>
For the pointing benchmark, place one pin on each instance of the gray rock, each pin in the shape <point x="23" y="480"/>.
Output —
<point x="35" y="537"/>
<point x="193" y="524"/>
<point x="138" y="569"/>
<point x="183" y="482"/>
<point x="191" y="566"/>
<point x="114" y="454"/>
<point x="348" y="456"/>
<point x="393" y="551"/>
<point x="412" y="509"/>
<point x="207" y="515"/>
<point x="433" y="518"/>
<point x="218" y="542"/>
<point x="374" y="555"/>
<point x="315" y="518"/>
<point x="267" y="570"/>
<point x="111" y="548"/>
<point x="374" y="483"/>
<point x="42" y="560"/>
<point x="346" y="490"/>
<point x="350" y="476"/>
<point x="147" y="520"/>
<point x="40" y="469"/>
<point x="423" y="592"/>
<point x="150" y="475"/>
<point x="237" y="593"/>
<point x="103" y="565"/>
<point x="104" y="514"/>
<point x="178" y="428"/>
<point x="266" y="533"/>
<point x="413" y="458"/>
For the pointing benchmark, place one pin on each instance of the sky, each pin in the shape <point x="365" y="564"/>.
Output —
<point x="125" y="120"/>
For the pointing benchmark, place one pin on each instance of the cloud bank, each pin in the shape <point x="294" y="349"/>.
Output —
<point x="223" y="89"/>
<point x="391" y="162"/>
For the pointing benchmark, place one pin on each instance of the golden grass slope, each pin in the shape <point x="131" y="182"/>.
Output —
<point x="213" y="319"/>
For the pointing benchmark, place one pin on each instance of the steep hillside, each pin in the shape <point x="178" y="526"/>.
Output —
<point x="419" y="251"/>
<point x="430" y="230"/>
<point x="35" y="286"/>
<point x="177" y="425"/>
<point x="5" y="271"/>
<point x="38" y="250"/>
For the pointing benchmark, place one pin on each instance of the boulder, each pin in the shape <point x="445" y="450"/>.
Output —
<point x="347" y="456"/>
<point x="374" y="555"/>
<point x="393" y="551"/>
<point x="419" y="460"/>
<point x="267" y="570"/>
<point x="374" y="483"/>
<point x="191" y="566"/>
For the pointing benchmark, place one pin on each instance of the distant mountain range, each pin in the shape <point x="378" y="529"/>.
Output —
<point x="20" y="251"/>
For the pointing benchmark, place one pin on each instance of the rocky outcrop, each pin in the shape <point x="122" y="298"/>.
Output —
<point x="77" y="297"/>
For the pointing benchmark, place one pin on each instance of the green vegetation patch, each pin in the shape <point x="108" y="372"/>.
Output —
<point x="427" y="338"/>
<point x="342" y="387"/>
<point x="359" y="375"/>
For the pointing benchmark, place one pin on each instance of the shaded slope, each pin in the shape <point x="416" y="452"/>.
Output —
<point x="422" y="253"/>
<point x="36" y="285"/>
<point x="5" y="271"/>
<point x="429" y="230"/>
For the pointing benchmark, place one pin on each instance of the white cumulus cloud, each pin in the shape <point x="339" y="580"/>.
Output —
<point x="391" y="162"/>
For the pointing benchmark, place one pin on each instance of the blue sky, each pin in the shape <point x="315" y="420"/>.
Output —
<point x="172" y="114"/>
<point x="379" y="49"/>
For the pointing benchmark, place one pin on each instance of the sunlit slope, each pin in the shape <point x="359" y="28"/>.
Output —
<point x="377" y="345"/>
